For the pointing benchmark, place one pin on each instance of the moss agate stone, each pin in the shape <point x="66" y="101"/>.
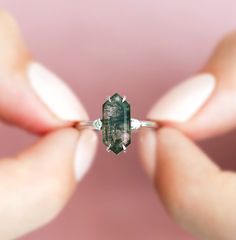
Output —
<point x="116" y="124"/>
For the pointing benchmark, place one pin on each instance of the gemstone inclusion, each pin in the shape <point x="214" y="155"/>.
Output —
<point x="116" y="124"/>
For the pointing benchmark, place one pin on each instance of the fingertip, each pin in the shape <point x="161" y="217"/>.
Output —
<point x="183" y="101"/>
<point x="176" y="151"/>
<point x="60" y="144"/>
<point x="31" y="96"/>
<point x="85" y="153"/>
<point x="54" y="93"/>
<point x="168" y="135"/>
<point x="182" y="172"/>
<point x="204" y="105"/>
<point x="39" y="182"/>
<point x="151" y="145"/>
<point x="148" y="151"/>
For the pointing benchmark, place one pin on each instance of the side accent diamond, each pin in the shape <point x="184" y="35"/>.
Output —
<point x="97" y="124"/>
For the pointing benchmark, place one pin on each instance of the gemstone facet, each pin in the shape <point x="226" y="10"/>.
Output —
<point x="116" y="124"/>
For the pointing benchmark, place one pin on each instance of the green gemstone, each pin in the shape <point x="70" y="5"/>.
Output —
<point x="116" y="125"/>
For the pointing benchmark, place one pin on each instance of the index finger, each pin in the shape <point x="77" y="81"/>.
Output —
<point x="205" y="104"/>
<point x="31" y="96"/>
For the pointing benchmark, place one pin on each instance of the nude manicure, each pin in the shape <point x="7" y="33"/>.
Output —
<point x="85" y="153"/>
<point x="54" y="93"/>
<point x="182" y="102"/>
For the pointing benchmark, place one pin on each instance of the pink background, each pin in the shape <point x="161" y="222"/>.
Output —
<point x="136" y="47"/>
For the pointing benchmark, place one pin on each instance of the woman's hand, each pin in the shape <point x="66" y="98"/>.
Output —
<point x="196" y="192"/>
<point x="35" y="185"/>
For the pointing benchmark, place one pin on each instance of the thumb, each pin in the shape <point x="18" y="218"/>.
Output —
<point x="196" y="193"/>
<point x="37" y="183"/>
<point x="31" y="96"/>
<point x="204" y="105"/>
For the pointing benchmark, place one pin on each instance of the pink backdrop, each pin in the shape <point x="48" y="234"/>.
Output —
<point x="136" y="47"/>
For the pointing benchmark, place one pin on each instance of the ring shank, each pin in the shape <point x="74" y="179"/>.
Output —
<point x="84" y="124"/>
<point x="135" y="124"/>
<point x="149" y="124"/>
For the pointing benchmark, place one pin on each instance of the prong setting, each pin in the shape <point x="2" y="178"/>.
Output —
<point x="116" y="124"/>
<point x="109" y="98"/>
<point x="124" y="147"/>
<point x="108" y="148"/>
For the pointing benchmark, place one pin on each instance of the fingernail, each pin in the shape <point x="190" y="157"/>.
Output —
<point x="54" y="93"/>
<point x="148" y="146"/>
<point x="183" y="101"/>
<point x="85" y="152"/>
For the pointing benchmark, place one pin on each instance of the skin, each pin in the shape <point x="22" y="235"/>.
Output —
<point x="201" y="200"/>
<point x="36" y="183"/>
<point x="48" y="165"/>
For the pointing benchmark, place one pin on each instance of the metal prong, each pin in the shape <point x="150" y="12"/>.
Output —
<point x="108" y="148"/>
<point x="124" y="147"/>
<point x="124" y="98"/>
<point x="109" y="98"/>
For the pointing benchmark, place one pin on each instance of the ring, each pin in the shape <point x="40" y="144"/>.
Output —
<point x="116" y="124"/>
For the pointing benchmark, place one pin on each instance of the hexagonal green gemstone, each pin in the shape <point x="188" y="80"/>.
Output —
<point x="116" y="124"/>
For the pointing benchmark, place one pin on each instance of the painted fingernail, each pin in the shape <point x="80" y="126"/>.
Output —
<point x="54" y="93"/>
<point x="183" y="101"/>
<point x="85" y="153"/>
<point x="148" y="146"/>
